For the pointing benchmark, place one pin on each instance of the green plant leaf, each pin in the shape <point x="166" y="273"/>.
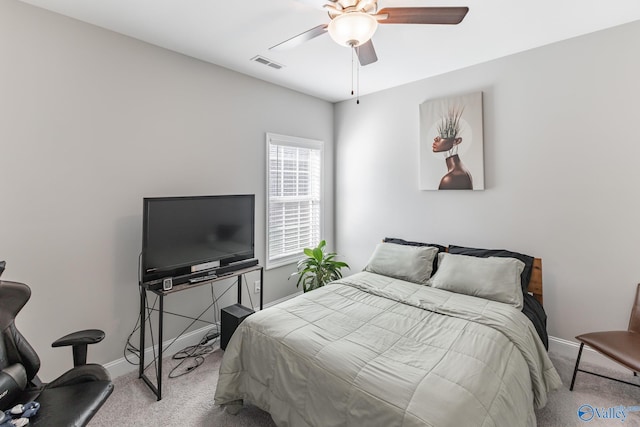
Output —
<point x="318" y="268"/>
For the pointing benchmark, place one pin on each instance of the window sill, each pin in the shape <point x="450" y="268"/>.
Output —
<point x="283" y="262"/>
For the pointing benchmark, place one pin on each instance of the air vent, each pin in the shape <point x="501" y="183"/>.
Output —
<point x="264" y="61"/>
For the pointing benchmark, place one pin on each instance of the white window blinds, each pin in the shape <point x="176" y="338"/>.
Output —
<point x="294" y="197"/>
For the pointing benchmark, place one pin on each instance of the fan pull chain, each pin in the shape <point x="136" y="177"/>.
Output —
<point x="353" y="49"/>
<point x="355" y="73"/>
<point x="358" y="81"/>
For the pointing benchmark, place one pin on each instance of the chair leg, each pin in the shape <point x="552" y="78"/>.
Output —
<point x="575" y="371"/>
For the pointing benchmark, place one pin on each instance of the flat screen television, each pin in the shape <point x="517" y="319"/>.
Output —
<point x="186" y="237"/>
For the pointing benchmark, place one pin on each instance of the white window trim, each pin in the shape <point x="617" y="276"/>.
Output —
<point x="292" y="141"/>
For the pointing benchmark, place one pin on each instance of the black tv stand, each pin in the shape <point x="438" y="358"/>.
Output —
<point x="145" y="310"/>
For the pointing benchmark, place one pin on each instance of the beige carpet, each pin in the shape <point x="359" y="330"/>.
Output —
<point x="188" y="401"/>
<point x="563" y="405"/>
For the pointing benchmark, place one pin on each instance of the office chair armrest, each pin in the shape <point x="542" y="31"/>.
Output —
<point x="79" y="341"/>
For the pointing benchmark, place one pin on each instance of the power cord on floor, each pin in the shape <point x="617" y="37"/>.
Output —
<point x="194" y="354"/>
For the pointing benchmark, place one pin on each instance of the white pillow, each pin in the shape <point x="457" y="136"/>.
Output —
<point x="493" y="278"/>
<point x="410" y="263"/>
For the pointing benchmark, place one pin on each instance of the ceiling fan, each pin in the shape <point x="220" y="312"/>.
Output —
<point x="353" y="23"/>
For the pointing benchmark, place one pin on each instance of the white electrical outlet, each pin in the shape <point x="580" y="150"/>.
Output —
<point x="256" y="286"/>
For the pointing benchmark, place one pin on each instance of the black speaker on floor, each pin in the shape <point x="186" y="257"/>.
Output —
<point x="230" y="319"/>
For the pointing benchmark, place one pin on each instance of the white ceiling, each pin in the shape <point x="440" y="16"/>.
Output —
<point x="230" y="33"/>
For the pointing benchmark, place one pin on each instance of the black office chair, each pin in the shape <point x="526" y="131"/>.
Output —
<point x="70" y="400"/>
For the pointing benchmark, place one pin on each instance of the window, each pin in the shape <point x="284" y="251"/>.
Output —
<point x="294" y="197"/>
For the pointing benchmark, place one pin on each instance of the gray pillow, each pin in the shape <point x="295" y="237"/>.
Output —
<point x="493" y="278"/>
<point x="410" y="263"/>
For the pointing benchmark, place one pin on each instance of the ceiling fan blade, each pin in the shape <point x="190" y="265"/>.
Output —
<point x="366" y="53"/>
<point x="301" y="38"/>
<point x="423" y="15"/>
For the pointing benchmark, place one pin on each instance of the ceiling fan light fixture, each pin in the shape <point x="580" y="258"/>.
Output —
<point x="352" y="29"/>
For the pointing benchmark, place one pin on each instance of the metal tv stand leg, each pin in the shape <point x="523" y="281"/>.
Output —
<point x="157" y="361"/>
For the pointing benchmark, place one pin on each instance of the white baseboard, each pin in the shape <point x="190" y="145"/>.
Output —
<point x="569" y="349"/>
<point x="121" y="367"/>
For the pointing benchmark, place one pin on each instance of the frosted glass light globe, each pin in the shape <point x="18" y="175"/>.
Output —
<point x="352" y="29"/>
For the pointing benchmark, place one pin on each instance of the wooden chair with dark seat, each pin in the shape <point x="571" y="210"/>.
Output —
<point x="622" y="347"/>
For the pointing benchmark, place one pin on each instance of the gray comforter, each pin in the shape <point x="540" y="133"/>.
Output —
<point x="369" y="350"/>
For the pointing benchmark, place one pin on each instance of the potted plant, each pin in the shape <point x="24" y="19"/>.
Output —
<point x="318" y="268"/>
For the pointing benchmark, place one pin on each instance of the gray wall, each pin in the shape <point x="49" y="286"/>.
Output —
<point x="561" y="172"/>
<point x="90" y="123"/>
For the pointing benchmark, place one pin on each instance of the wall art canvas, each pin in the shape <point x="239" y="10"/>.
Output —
<point x="451" y="145"/>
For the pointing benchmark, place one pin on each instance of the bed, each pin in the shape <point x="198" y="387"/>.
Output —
<point x="421" y="337"/>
